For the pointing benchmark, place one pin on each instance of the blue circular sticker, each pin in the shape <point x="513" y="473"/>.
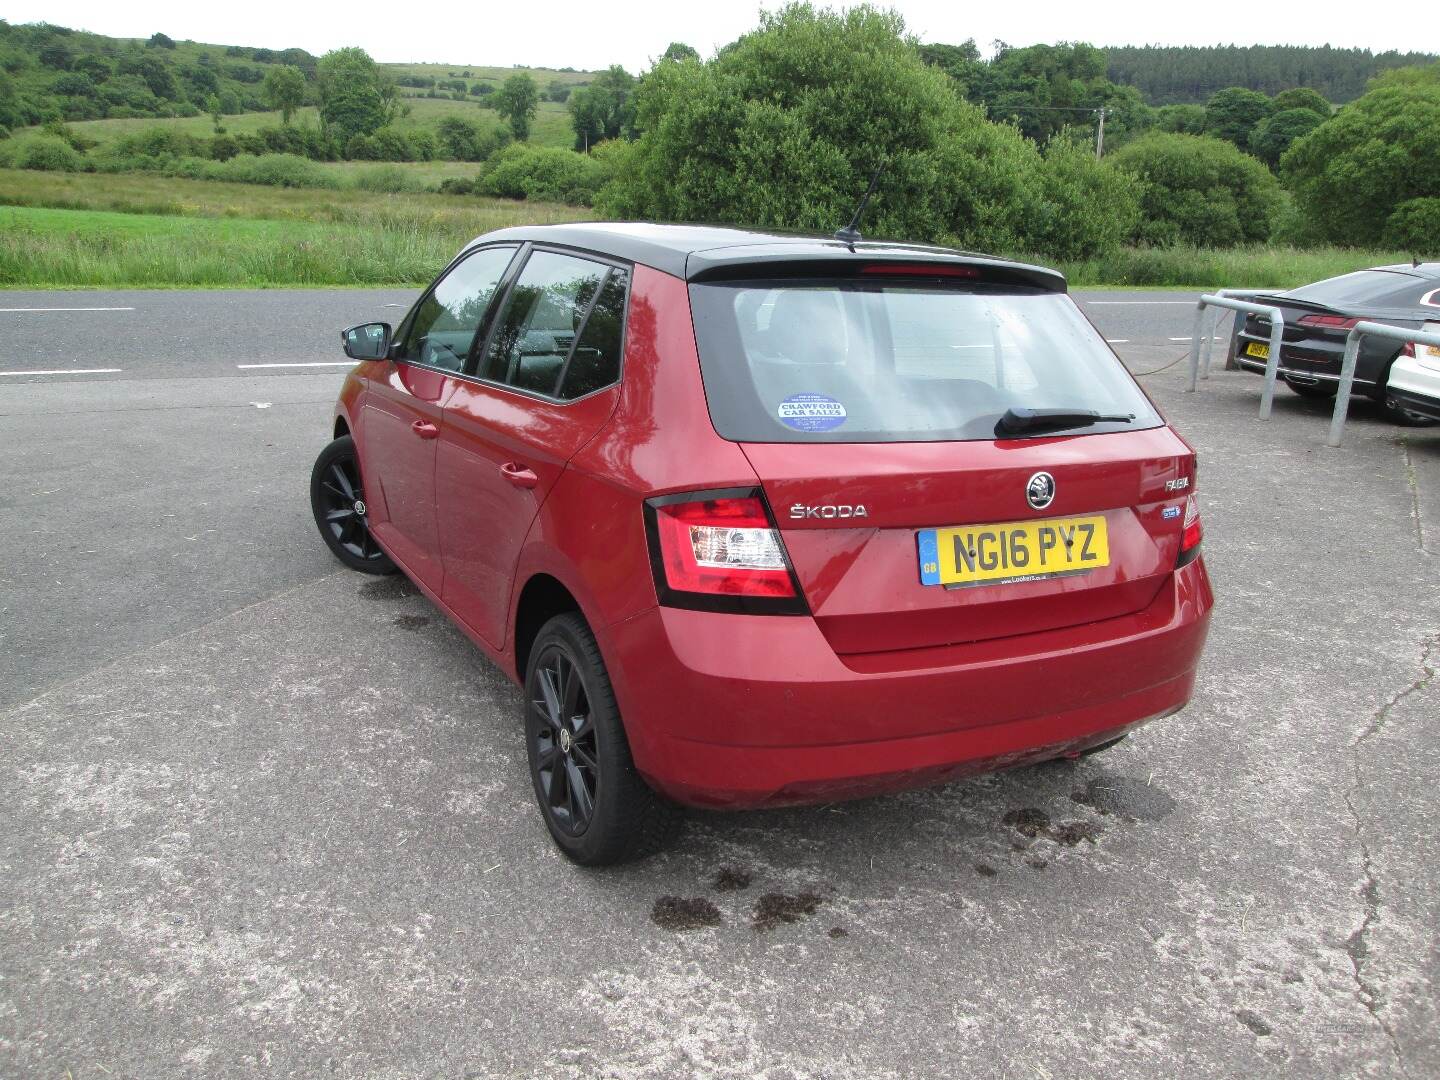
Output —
<point x="811" y="412"/>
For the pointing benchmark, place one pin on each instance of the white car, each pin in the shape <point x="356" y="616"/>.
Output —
<point x="1414" y="384"/>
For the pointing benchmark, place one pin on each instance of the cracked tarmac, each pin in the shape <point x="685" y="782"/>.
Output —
<point x="259" y="815"/>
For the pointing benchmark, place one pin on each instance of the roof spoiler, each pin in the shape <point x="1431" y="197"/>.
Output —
<point x="832" y="260"/>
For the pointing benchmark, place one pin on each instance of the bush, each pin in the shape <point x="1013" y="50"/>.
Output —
<point x="159" y="142"/>
<point x="1415" y="227"/>
<point x="465" y="140"/>
<point x="783" y="129"/>
<point x="386" y="178"/>
<point x="43" y="152"/>
<point x="79" y="143"/>
<point x="1352" y="172"/>
<point x="223" y="147"/>
<point x="1199" y="190"/>
<point x="1274" y="135"/>
<point x="1084" y="208"/>
<point x="300" y="140"/>
<point x="546" y="173"/>
<point x="276" y="170"/>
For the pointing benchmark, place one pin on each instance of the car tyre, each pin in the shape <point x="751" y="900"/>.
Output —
<point x="1320" y="391"/>
<point x="596" y="805"/>
<point x="337" y="498"/>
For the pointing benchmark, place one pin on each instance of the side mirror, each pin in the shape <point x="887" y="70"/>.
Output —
<point x="368" y="341"/>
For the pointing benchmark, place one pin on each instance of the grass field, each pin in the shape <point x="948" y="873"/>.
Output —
<point x="135" y="231"/>
<point x="489" y="73"/>
<point x="85" y="230"/>
<point x="551" y="126"/>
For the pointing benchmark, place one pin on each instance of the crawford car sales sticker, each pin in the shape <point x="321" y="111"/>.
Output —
<point x="811" y="412"/>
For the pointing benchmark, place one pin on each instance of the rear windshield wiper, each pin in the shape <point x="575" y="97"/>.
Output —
<point x="1023" y="421"/>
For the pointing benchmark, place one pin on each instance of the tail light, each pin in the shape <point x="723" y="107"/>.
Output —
<point x="1330" y="322"/>
<point x="1191" y="533"/>
<point x="1408" y="350"/>
<point x="720" y="551"/>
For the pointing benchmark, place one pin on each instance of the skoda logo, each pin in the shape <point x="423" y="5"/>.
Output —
<point x="1040" y="490"/>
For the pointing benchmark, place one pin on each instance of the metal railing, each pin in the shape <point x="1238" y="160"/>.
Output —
<point x="1272" y="362"/>
<point x="1201" y="349"/>
<point x="1347" y="366"/>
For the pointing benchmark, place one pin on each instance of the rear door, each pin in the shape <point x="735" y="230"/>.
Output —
<point x="869" y="412"/>
<point x="544" y="383"/>
<point x="401" y="413"/>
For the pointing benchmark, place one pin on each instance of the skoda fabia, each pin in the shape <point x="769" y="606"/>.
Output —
<point x="758" y="520"/>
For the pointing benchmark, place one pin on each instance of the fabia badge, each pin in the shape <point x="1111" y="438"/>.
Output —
<point x="1040" y="490"/>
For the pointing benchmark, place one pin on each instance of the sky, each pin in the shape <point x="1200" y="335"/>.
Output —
<point x="589" y="35"/>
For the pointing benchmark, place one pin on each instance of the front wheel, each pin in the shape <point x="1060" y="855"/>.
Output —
<point x="596" y="805"/>
<point x="337" y="498"/>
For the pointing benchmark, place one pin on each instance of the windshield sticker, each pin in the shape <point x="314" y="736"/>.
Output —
<point x="811" y="412"/>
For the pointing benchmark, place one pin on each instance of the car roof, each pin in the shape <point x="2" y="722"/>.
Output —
<point x="1422" y="270"/>
<point x="696" y="251"/>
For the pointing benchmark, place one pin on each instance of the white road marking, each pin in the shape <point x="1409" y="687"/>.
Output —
<point x="315" y="363"/>
<point x="67" y="309"/>
<point x="66" y="371"/>
<point x="1117" y="340"/>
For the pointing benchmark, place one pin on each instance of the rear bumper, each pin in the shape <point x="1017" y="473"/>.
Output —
<point x="737" y="711"/>
<point x="1414" y="386"/>
<point x="1313" y="361"/>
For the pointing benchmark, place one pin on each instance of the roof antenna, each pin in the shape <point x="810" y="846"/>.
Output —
<point x="850" y="234"/>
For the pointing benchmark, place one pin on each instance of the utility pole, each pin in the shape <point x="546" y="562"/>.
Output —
<point x="1100" y="136"/>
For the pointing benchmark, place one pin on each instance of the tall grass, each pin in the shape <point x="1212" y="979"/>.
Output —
<point x="1259" y="267"/>
<point x="153" y="231"/>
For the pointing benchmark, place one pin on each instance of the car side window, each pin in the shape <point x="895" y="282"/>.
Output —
<point x="595" y="363"/>
<point x="536" y="334"/>
<point x="445" y="324"/>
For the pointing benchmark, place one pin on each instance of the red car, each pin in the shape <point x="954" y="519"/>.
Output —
<point x="759" y="520"/>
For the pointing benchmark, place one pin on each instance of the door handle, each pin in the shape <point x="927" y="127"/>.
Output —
<point x="519" y="475"/>
<point x="425" y="429"/>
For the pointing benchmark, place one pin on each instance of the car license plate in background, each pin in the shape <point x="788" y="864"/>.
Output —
<point x="1256" y="349"/>
<point x="1015" y="550"/>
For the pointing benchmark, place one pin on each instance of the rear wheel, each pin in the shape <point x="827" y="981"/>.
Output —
<point x="337" y="498"/>
<point x="595" y="804"/>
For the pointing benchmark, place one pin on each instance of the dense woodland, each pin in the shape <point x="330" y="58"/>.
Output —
<point x="1168" y="75"/>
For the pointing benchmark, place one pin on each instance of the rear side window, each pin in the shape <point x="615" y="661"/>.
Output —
<point x="545" y="331"/>
<point x="596" y="360"/>
<point x="855" y="361"/>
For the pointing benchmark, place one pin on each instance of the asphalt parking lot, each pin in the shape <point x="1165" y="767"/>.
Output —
<point x="259" y="814"/>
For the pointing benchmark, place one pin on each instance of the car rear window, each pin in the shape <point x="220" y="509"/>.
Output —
<point x="1361" y="287"/>
<point x="851" y="361"/>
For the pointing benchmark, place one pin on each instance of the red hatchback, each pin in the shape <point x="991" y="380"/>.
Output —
<point x="760" y="520"/>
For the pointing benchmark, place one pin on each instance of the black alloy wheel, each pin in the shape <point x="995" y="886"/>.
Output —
<point x="598" y="808"/>
<point x="337" y="497"/>
<point x="566" y="759"/>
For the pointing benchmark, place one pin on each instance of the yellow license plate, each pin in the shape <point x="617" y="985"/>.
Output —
<point x="1012" y="551"/>
<point x="1256" y="349"/>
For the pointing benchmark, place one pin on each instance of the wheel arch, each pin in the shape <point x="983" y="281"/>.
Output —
<point x="342" y="427"/>
<point x="543" y="597"/>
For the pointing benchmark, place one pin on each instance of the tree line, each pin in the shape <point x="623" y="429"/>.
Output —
<point x="1174" y="74"/>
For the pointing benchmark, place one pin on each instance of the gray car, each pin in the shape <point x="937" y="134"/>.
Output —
<point x="1318" y="317"/>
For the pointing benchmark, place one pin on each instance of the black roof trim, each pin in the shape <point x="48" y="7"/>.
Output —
<point x="698" y="251"/>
